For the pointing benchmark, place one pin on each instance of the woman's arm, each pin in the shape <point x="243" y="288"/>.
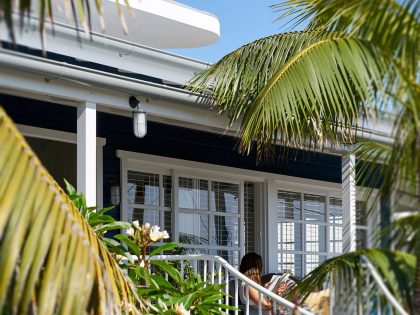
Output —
<point x="253" y="295"/>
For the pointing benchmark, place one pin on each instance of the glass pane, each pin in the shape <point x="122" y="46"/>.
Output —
<point x="193" y="229"/>
<point x="291" y="263"/>
<point x="231" y="256"/>
<point x="225" y="231"/>
<point x="336" y="239"/>
<point x="360" y="213"/>
<point x="336" y="211"/>
<point x="143" y="188"/>
<point x="288" y="205"/>
<point x="361" y="238"/>
<point x="167" y="191"/>
<point x="152" y="216"/>
<point x="224" y="197"/>
<point x="313" y="261"/>
<point x="249" y="219"/>
<point x="314" y="208"/>
<point x="193" y="194"/>
<point x="290" y="236"/>
<point x="315" y="238"/>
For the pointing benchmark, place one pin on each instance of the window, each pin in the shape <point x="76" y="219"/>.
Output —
<point x="306" y="224"/>
<point x="361" y="225"/>
<point x="249" y="216"/>
<point x="209" y="216"/>
<point x="149" y="199"/>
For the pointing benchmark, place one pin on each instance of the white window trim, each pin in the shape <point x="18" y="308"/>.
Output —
<point x="328" y="190"/>
<point x="271" y="184"/>
<point x="69" y="137"/>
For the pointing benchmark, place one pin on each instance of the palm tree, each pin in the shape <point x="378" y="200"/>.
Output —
<point x="311" y="88"/>
<point x="51" y="260"/>
<point x="79" y="12"/>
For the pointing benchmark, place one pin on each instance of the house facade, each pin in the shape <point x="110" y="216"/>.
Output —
<point x="72" y="104"/>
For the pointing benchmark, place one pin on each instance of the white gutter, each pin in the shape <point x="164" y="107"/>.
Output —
<point x="65" y="71"/>
<point x="95" y="78"/>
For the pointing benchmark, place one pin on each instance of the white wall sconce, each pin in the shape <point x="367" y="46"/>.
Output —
<point x="115" y="195"/>
<point x="139" y="117"/>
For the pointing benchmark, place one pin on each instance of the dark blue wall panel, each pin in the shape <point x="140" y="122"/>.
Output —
<point x="169" y="141"/>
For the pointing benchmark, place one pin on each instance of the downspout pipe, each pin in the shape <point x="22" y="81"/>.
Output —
<point x="69" y="72"/>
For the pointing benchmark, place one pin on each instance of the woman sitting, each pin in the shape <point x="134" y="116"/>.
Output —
<point x="251" y="266"/>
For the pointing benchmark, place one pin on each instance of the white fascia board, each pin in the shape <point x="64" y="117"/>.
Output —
<point x="76" y="84"/>
<point x="109" y="51"/>
<point x="71" y="93"/>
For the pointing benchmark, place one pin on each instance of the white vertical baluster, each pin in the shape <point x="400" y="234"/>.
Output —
<point x="246" y="300"/>
<point x="182" y="268"/>
<point x="219" y="271"/>
<point x="236" y="295"/>
<point x="259" y="303"/>
<point x="212" y="271"/>
<point x="227" y="287"/>
<point x="205" y="270"/>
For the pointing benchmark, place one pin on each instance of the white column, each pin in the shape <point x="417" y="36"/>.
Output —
<point x="100" y="142"/>
<point x="348" y="190"/>
<point x="86" y="151"/>
<point x="271" y="236"/>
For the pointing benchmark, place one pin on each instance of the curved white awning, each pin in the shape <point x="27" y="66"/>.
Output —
<point x="156" y="23"/>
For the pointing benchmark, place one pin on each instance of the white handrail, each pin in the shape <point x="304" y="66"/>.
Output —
<point x="194" y="257"/>
<point x="383" y="287"/>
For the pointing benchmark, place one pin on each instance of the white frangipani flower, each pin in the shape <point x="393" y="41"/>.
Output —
<point x="142" y="263"/>
<point x="154" y="233"/>
<point x="164" y="234"/>
<point x="136" y="224"/>
<point x="180" y="310"/>
<point x="130" y="232"/>
<point x="146" y="226"/>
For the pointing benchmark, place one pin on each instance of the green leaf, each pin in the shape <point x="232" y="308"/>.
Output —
<point x="169" y="269"/>
<point x="164" y="247"/>
<point x="131" y="245"/>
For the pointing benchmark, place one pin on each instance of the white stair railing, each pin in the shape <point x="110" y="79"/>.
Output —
<point x="217" y="270"/>
<point x="374" y="298"/>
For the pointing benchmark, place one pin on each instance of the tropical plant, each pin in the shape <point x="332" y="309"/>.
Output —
<point x="174" y="294"/>
<point x="98" y="220"/>
<point x="77" y="11"/>
<point x="51" y="260"/>
<point x="313" y="88"/>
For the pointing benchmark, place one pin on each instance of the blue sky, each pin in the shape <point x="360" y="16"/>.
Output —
<point x="241" y="21"/>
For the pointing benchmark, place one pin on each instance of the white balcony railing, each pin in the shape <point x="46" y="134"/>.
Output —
<point x="217" y="270"/>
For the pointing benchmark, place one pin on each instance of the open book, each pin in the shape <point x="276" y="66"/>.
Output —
<point x="276" y="280"/>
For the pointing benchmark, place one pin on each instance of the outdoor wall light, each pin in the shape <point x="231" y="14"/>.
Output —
<point x="115" y="195"/>
<point x="139" y="117"/>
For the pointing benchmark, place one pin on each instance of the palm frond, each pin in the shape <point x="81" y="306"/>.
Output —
<point x="390" y="24"/>
<point x="296" y="88"/>
<point x="51" y="261"/>
<point x="79" y="11"/>
<point x="396" y="268"/>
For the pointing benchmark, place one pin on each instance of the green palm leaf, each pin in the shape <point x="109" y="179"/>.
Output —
<point x="396" y="268"/>
<point x="392" y="25"/>
<point x="296" y="88"/>
<point x="51" y="260"/>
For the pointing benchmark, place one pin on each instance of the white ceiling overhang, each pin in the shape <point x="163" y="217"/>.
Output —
<point x="156" y="23"/>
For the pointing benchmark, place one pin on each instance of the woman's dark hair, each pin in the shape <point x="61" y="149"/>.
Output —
<point x="251" y="266"/>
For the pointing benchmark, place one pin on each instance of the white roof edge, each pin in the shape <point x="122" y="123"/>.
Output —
<point x="192" y="8"/>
